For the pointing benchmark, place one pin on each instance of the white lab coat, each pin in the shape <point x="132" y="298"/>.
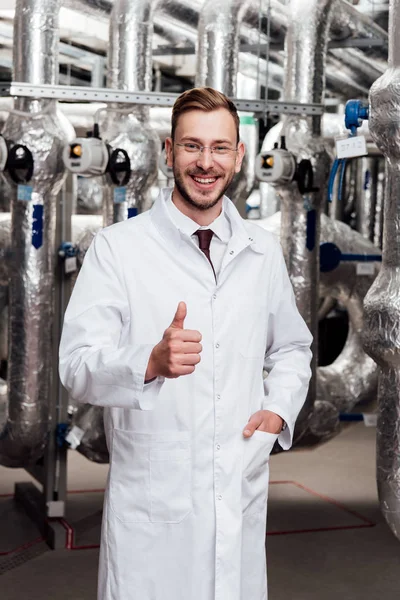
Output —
<point x="185" y="505"/>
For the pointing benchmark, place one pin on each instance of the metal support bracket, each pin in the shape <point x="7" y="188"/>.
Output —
<point x="91" y="94"/>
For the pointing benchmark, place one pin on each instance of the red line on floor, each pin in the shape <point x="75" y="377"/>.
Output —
<point x="69" y="544"/>
<point x="23" y="546"/>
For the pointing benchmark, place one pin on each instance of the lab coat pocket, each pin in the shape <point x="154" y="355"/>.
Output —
<point x="150" y="476"/>
<point x="170" y="484"/>
<point x="255" y="477"/>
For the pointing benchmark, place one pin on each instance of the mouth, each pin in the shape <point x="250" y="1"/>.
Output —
<point x="204" y="183"/>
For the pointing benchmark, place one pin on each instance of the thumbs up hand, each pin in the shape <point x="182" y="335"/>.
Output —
<point x="178" y="353"/>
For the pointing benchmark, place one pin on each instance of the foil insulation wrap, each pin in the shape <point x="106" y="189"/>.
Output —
<point x="305" y="51"/>
<point x="31" y="281"/>
<point x="352" y="377"/>
<point x="218" y="44"/>
<point x="89" y="196"/>
<point x="130" y="68"/>
<point x="382" y="304"/>
<point x="388" y="447"/>
<point x="142" y="144"/>
<point x="25" y="427"/>
<point x="217" y="67"/>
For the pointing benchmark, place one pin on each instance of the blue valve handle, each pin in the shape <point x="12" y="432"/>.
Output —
<point x="331" y="256"/>
<point x="355" y="113"/>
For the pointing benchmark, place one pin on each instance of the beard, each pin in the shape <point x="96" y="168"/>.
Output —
<point x="179" y="183"/>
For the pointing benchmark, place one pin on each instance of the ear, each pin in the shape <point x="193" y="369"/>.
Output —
<point x="239" y="156"/>
<point x="169" y="152"/>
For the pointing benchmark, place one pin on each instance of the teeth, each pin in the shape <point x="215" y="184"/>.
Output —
<point x="205" y="180"/>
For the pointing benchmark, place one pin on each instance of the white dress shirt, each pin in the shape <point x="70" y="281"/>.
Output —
<point x="221" y="228"/>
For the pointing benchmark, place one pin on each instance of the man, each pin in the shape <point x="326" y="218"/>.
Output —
<point x="173" y="317"/>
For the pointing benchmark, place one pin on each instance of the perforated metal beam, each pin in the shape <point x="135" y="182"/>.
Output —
<point x="91" y="94"/>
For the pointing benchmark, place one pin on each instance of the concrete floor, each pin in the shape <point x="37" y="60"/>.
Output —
<point x="326" y="537"/>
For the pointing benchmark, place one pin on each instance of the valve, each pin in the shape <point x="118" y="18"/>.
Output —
<point x="277" y="166"/>
<point x="355" y="113"/>
<point x="87" y="157"/>
<point x="17" y="160"/>
<point x="331" y="256"/>
<point x="91" y="157"/>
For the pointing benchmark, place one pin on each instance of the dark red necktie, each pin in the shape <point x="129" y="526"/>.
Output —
<point x="205" y="236"/>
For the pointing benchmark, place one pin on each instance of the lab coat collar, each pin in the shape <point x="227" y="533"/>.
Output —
<point x="241" y="238"/>
<point x="220" y="226"/>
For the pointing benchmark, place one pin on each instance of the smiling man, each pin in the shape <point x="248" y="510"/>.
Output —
<point x="173" y="320"/>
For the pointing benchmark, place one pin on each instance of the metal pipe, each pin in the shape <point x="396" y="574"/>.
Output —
<point x="130" y="67"/>
<point x="382" y="309"/>
<point x="305" y="47"/>
<point x="217" y="67"/>
<point x="24" y="434"/>
<point x="352" y="376"/>
<point x="345" y="81"/>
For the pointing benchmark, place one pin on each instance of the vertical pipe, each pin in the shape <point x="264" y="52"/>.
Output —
<point x="31" y="280"/>
<point x="382" y="309"/>
<point x="130" y="68"/>
<point x="305" y="49"/>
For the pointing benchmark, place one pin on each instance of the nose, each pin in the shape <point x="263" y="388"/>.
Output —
<point x="205" y="160"/>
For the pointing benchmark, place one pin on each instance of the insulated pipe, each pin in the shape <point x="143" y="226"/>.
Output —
<point x="382" y="308"/>
<point x="31" y="279"/>
<point x="305" y="47"/>
<point x="126" y="127"/>
<point x="344" y="82"/>
<point x="217" y="67"/>
<point x="218" y="44"/>
<point x="352" y="377"/>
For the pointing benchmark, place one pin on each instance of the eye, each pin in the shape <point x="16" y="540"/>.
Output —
<point x="221" y="149"/>
<point x="190" y="147"/>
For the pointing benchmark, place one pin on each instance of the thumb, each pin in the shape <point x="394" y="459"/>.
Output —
<point x="180" y="315"/>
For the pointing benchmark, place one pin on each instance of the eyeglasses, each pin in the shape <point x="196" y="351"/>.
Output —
<point x="192" y="148"/>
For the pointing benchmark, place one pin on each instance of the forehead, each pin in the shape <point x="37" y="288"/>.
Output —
<point x="206" y="126"/>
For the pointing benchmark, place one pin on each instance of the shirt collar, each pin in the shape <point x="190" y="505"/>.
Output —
<point x="161" y="218"/>
<point x="220" y="226"/>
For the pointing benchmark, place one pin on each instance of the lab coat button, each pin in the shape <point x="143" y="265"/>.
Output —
<point x="217" y="345"/>
<point x="215" y="296"/>
<point x="219" y="497"/>
<point x="231" y="252"/>
<point x="218" y="447"/>
<point x="218" y="397"/>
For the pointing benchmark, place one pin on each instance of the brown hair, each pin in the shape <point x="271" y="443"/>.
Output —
<point x="202" y="98"/>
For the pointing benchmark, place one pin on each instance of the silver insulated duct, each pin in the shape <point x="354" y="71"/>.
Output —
<point x="382" y="306"/>
<point x="24" y="433"/>
<point x="305" y="47"/>
<point x="352" y="377"/>
<point x="217" y="65"/>
<point x="127" y="127"/>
